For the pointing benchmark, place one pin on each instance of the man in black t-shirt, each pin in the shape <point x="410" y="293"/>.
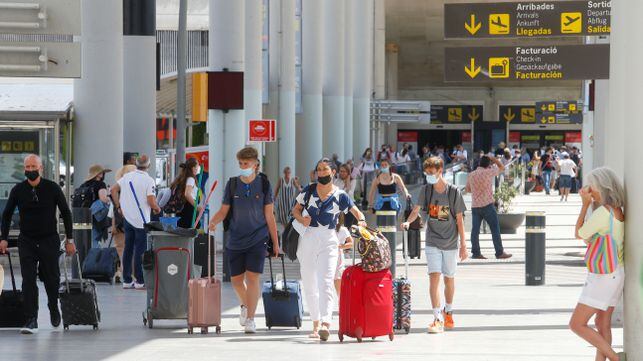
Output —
<point x="38" y="243"/>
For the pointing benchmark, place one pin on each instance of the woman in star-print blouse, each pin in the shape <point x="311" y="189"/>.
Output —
<point x="318" y="207"/>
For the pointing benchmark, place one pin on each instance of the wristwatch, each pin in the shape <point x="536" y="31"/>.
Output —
<point x="69" y="241"/>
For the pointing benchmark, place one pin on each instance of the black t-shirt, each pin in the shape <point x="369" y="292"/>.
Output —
<point x="95" y="185"/>
<point x="37" y="210"/>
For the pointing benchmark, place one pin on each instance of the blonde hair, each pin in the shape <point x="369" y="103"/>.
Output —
<point x="607" y="183"/>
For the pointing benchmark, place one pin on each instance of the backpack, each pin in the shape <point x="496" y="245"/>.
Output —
<point x="232" y="188"/>
<point x="176" y="203"/>
<point x="83" y="197"/>
<point x="451" y="190"/>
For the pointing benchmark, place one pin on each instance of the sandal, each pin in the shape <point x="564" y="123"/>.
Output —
<point x="324" y="333"/>
<point x="314" y="334"/>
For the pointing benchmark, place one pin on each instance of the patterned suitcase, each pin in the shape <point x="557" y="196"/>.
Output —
<point x="204" y="305"/>
<point x="402" y="296"/>
<point x="78" y="300"/>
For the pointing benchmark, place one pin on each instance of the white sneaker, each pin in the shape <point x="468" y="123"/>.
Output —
<point x="250" y="326"/>
<point x="139" y="286"/>
<point x="243" y="315"/>
<point x="128" y="286"/>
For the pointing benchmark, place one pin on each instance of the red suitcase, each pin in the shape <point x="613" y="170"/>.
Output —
<point x="366" y="304"/>
<point x="204" y="307"/>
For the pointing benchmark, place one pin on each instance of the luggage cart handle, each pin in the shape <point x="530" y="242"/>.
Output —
<point x="283" y="265"/>
<point x="13" y="278"/>
<point x="80" y="272"/>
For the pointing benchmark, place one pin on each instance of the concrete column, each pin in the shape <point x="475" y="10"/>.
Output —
<point x="252" y="81"/>
<point x="139" y="78"/>
<point x="274" y="49"/>
<point x="349" y="41"/>
<point x="379" y="52"/>
<point x="334" y="26"/>
<point x="626" y="85"/>
<point x="225" y="130"/>
<point x="287" y="106"/>
<point x="363" y="70"/>
<point x="312" y="73"/>
<point x="392" y="51"/>
<point x="98" y="94"/>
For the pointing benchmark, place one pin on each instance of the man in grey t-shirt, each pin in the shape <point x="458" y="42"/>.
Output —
<point x="445" y="224"/>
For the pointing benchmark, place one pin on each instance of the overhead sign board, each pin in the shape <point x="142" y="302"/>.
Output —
<point x="51" y="17"/>
<point x="527" y="19"/>
<point x="557" y="107"/>
<point x="527" y="63"/>
<point x="51" y="60"/>
<point x="455" y="114"/>
<point x="528" y="114"/>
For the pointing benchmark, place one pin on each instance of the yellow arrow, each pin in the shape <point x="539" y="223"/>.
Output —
<point x="473" y="27"/>
<point x="509" y="116"/>
<point x="473" y="116"/>
<point x="543" y="107"/>
<point x="472" y="71"/>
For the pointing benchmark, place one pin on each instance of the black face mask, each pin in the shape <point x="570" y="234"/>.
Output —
<point x="32" y="175"/>
<point x="324" y="180"/>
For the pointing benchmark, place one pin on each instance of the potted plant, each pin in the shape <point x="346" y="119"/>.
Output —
<point x="509" y="221"/>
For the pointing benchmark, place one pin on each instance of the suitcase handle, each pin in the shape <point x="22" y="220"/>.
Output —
<point x="80" y="273"/>
<point x="405" y="253"/>
<point x="272" y="278"/>
<point x="212" y="275"/>
<point x="13" y="278"/>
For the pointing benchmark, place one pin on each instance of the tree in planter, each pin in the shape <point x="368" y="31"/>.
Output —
<point x="504" y="196"/>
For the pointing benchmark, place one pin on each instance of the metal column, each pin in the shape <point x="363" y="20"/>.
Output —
<point x="535" y="249"/>
<point x="98" y="94"/>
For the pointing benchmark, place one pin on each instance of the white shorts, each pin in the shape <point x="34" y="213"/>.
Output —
<point x="441" y="261"/>
<point x="603" y="291"/>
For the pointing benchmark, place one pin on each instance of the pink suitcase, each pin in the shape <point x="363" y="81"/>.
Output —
<point x="204" y="307"/>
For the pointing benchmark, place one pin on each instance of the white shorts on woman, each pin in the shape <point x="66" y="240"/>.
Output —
<point x="603" y="291"/>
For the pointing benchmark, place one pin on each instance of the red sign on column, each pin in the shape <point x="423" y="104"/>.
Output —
<point x="466" y="137"/>
<point x="262" y="130"/>
<point x="514" y="137"/>
<point x="573" y="137"/>
<point x="407" y="136"/>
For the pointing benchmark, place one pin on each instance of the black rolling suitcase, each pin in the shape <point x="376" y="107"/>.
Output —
<point x="12" y="304"/>
<point x="78" y="301"/>
<point x="101" y="264"/>
<point x="414" y="241"/>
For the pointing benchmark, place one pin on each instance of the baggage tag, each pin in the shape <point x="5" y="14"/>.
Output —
<point x="279" y="282"/>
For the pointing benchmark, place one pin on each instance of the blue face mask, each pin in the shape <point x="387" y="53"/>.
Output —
<point x="246" y="172"/>
<point x="431" y="179"/>
<point x="384" y="170"/>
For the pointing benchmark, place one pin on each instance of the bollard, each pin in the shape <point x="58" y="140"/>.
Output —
<point x="386" y="223"/>
<point x="82" y="233"/>
<point x="535" y="247"/>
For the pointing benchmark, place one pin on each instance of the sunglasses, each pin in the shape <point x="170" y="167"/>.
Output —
<point x="34" y="195"/>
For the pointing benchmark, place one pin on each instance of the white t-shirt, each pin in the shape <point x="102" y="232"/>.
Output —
<point x="343" y="234"/>
<point x="191" y="182"/>
<point x="567" y="167"/>
<point x="462" y="153"/>
<point x="143" y="186"/>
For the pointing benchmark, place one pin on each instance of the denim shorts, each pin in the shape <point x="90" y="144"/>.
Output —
<point x="442" y="261"/>
<point x="251" y="259"/>
<point x="565" y="181"/>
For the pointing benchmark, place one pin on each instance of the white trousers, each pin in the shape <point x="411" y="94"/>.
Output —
<point x="317" y="254"/>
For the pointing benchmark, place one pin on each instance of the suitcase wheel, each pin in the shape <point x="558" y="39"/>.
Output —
<point x="359" y="339"/>
<point x="218" y="330"/>
<point x="190" y="331"/>
<point x="204" y="330"/>
<point x="66" y="327"/>
<point x="373" y="338"/>
<point x="341" y="337"/>
<point x="95" y="327"/>
<point x="150" y="322"/>
<point x="407" y="330"/>
<point x="391" y="336"/>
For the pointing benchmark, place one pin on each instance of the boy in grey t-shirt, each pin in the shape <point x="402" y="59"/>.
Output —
<point x="445" y="224"/>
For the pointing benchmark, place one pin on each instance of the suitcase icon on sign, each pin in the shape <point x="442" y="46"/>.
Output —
<point x="498" y="68"/>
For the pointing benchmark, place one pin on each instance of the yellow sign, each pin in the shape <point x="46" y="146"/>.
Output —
<point x="473" y="27"/>
<point x="528" y="115"/>
<point x="571" y="23"/>
<point x="499" y="24"/>
<point x="498" y="68"/>
<point x="472" y="71"/>
<point x="551" y="107"/>
<point x="551" y="119"/>
<point x="455" y="115"/>
<point x="572" y="107"/>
